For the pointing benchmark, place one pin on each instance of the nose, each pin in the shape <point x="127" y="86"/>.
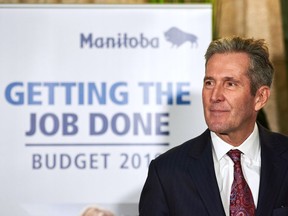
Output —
<point x="217" y="94"/>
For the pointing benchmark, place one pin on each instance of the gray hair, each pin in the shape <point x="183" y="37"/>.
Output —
<point x="260" y="71"/>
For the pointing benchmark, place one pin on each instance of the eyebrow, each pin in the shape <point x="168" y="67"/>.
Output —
<point x="207" y="78"/>
<point x="225" y="78"/>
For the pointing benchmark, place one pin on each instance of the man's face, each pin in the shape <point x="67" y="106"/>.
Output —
<point x="229" y="107"/>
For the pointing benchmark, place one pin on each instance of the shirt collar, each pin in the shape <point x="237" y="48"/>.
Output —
<point x="250" y="147"/>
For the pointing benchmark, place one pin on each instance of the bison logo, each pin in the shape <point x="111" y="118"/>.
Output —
<point x="177" y="37"/>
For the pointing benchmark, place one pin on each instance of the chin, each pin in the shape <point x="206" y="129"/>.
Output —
<point x="217" y="128"/>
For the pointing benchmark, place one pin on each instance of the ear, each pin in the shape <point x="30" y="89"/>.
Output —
<point x="262" y="96"/>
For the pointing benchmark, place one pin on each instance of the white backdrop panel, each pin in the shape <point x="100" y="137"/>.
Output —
<point x="89" y="95"/>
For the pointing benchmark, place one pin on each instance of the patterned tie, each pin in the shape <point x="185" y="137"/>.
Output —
<point x="241" y="199"/>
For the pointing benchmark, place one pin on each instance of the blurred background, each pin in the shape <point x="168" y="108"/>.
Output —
<point x="266" y="19"/>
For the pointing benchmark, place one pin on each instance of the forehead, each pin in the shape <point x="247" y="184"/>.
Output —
<point x="228" y="64"/>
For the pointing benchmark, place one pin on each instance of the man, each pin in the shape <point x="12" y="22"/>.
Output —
<point x="201" y="176"/>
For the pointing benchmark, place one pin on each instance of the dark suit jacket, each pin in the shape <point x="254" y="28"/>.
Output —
<point x="182" y="181"/>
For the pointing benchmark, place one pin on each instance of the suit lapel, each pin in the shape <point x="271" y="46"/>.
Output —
<point x="274" y="164"/>
<point x="203" y="174"/>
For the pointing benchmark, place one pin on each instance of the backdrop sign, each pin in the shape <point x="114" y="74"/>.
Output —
<point x="89" y="95"/>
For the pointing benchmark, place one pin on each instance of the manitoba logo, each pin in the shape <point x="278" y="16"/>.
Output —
<point x="141" y="40"/>
<point x="178" y="37"/>
<point x="120" y="41"/>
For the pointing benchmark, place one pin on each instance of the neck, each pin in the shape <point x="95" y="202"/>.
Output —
<point x="236" y="138"/>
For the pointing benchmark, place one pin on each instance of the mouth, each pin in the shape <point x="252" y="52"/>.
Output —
<point x="218" y="111"/>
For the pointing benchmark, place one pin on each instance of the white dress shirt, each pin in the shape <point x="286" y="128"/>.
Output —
<point x="224" y="166"/>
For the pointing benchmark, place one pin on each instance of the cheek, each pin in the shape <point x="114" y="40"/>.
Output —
<point x="243" y="104"/>
<point x="205" y="103"/>
<point x="205" y="97"/>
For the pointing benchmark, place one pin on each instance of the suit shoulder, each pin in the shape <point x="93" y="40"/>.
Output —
<point x="274" y="135"/>
<point x="273" y="140"/>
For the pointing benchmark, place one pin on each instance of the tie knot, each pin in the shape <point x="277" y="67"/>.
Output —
<point x="235" y="155"/>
